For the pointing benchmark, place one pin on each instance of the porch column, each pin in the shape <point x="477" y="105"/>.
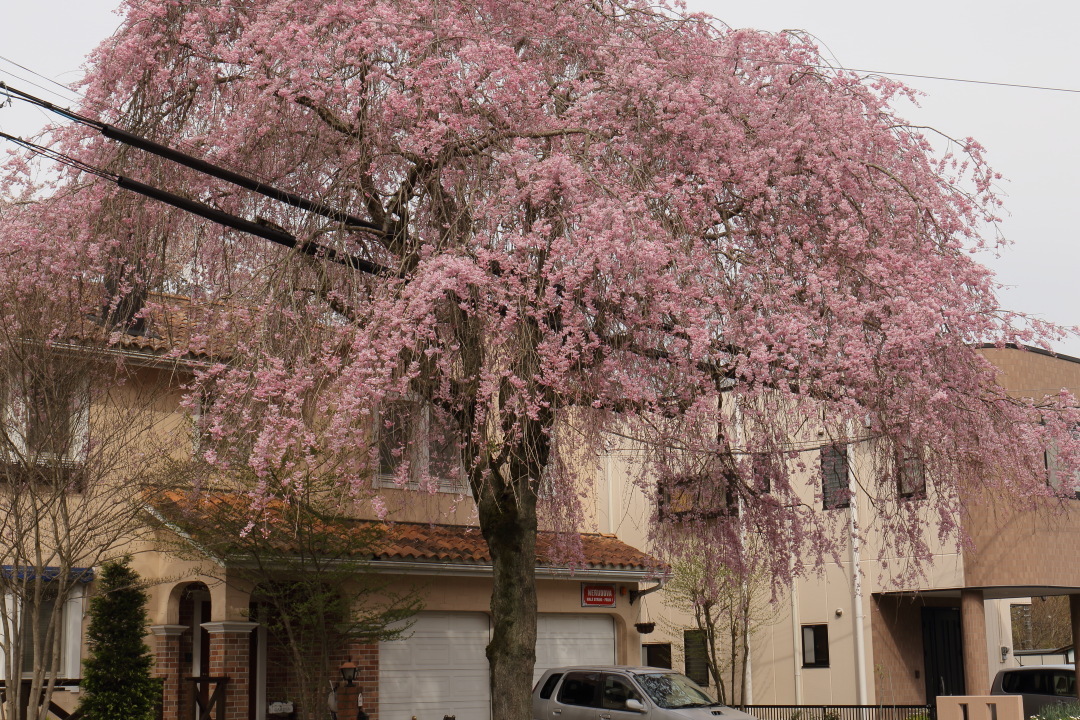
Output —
<point x="167" y="667"/>
<point x="230" y="656"/>
<point x="973" y="627"/>
<point x="1074" y="616"/>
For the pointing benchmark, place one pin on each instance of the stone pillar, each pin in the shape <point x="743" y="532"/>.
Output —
<point x="230" y="656"/>
<point x="1074" y="616"/>
<point x="973" y="624"/>
<point x="167" y="657"/>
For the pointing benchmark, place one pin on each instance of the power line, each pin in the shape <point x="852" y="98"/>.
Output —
<point x="689" y="53"/>
<point x="273" y="234"/>
<point x="1020" y="86"/>
<point x="114" y="133"/>
<point x="71" y="91"/>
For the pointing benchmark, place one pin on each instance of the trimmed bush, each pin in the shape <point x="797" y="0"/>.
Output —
<point x="117" y="684"/>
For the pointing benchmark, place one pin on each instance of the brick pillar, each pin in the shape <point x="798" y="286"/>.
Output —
<point x="167" y="657"/>
<point x="347" y="707"/>
<point x="973" y="624"/>
<point x="230" y="656"/>
<point x="366" y="657"/>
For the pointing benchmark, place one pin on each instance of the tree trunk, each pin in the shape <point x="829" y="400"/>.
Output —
<point x="508" y="523"/>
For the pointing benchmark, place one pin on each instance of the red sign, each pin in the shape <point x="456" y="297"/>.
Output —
<point x="597" y="595"/>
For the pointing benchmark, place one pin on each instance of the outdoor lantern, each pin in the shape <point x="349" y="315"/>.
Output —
<point x="348" y="672"/>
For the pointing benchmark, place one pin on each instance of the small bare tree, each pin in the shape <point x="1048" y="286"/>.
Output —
<point x="85" y="423"/>
<point x="727" y="608"/>
<point x="1042" y="625"/>
<point x="306" y="561"/>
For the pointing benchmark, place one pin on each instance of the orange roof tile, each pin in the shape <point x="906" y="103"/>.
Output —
<point x="465" y="544"/>
<point x="419" y="542"/>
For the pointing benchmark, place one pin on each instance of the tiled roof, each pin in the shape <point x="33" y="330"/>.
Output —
<point x="170" y="326"/>
<point x="411" y="542"/>
<point x="465" y="544"/>
<point x="171" y="323"/>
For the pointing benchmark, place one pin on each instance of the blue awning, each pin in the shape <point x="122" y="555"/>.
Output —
<point x="48" y="574"/>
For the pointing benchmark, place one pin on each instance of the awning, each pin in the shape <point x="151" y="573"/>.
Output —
<point x="48" y="574"/>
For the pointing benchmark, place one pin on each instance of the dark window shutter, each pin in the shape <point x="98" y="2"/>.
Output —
<point x="696" y="652"/>
<point x="834" y="476"/>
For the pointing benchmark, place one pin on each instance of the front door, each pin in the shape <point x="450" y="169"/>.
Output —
<point x="943" y="652"/>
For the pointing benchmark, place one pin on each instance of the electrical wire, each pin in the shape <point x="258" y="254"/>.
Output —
<point x="274" y="235"/>
<point x="689" y="53"/>
<point x="60" y="158"/>
<point x="75" y="94"/>
<point x="114" y="133"/>
<point x="222" y="170"/>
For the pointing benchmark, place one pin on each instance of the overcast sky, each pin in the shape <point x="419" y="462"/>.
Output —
<point x="1030" y="135"/>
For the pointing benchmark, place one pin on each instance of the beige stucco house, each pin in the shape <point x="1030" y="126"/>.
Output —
<point x="875" y="636"/>
<point x="214" y="659"/>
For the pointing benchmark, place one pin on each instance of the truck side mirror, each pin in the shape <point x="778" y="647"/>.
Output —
<point x="635" y="705"/>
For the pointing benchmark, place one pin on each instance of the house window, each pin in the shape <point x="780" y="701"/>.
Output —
<point x="834" y="477"/>
<point x="656" y="655"/>
<point x="910" y="473"/>
<point x="1058" y="478"/>
<point x="701" y="497"/>
<point x="696" y="656"/>
<point x="67" y="631"/>
<point x="763" y="468"/>
<point x="418" y="450"/>
<point x="815" y="646"/>
<point x="44" y="428"/>
<point x="48" y="607"/>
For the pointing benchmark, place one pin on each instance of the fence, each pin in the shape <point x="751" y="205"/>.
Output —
<point x="55" y="711"/>
<point x="840" y="712"/>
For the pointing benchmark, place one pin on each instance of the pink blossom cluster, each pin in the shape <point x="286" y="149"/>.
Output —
<point x="600" y="218"/>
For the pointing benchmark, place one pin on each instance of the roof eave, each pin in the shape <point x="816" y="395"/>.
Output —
<point x="546" y="572"/>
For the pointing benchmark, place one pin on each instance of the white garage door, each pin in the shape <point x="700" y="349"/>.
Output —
<point x="573" y="640"/>
<point x="439" y="670"/>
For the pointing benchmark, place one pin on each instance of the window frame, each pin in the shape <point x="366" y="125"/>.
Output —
<point x="415" y="449"/>
<point x="835" y="495"/>
<point x="17" y="413"/>
<point x="763" y="466"/>
<point x="681" y="498"/>
<point x="70" y="629"/>
<point x="909" y="469"/>
<point x="819" y="646"/>
<point x="663" y="649"/>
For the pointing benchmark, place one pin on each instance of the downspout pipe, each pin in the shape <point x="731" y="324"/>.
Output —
<point x="635" y="594"/>
<point x="858" y="633"/>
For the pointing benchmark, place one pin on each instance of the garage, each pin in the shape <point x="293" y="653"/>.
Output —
<point x="573" y="640"/>
<point x="441" y="668"/>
